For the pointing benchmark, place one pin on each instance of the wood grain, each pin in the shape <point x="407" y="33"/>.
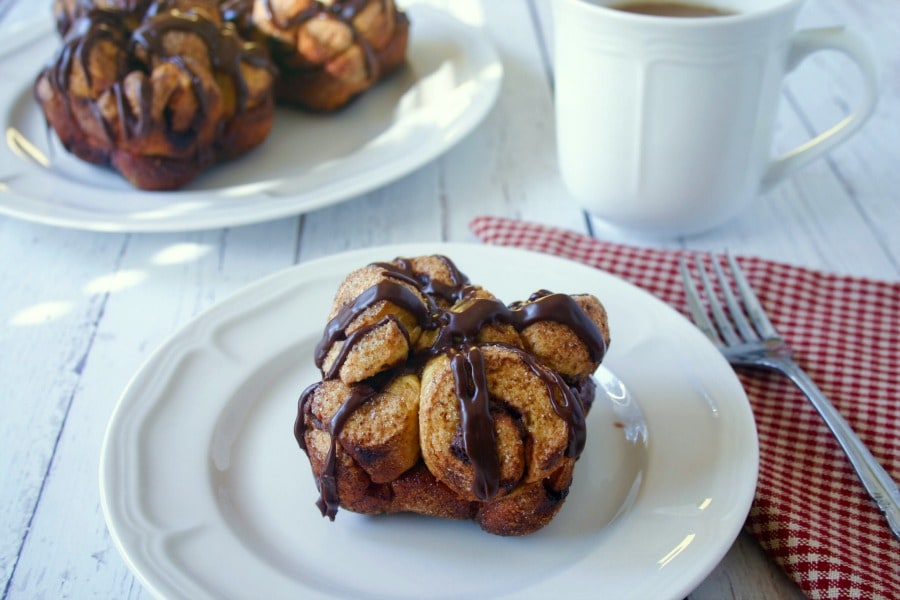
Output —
<point x="81" y="311"/>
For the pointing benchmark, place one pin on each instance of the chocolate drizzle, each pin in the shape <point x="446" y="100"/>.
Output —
<point x="102" y="25"/>
<point x="225" y="48"/>
<point x="328" y="493"/>
<point x="452" y="292"/>
<point x="86" y="27"/>
<point x="470" y="378"/>
<point x="335" y="331"/>
<point x="345" y="11"/>
<point x="457" y="330"/>
<point x="238" y="12"/>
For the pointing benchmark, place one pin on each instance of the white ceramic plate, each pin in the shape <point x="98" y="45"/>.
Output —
<point x="309" y="161"/>
<point x="207" y="495"/>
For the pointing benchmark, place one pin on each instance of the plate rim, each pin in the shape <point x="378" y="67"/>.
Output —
<point x="290" y="277"/>
<point x="477" y="50"/>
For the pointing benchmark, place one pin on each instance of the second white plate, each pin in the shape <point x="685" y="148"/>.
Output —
<point x="207" y="495"/>
<point x="309" y="161"/>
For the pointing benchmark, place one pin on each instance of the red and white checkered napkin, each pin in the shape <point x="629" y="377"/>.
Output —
<point x="810" y="512"/>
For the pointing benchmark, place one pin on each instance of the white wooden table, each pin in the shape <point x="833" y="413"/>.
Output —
<point x="80" y="311"/>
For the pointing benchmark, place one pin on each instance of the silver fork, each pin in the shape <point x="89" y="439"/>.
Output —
<point x="755" y="343"/>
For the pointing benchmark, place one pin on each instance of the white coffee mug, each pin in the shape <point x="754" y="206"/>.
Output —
<point x="665" y="124"/>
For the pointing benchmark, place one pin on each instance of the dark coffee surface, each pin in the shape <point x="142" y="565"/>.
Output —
<point x="672" y="9"/>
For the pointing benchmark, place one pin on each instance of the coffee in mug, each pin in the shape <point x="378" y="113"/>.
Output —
<point x="671" y="9"/>
<point x="665" y="124"/>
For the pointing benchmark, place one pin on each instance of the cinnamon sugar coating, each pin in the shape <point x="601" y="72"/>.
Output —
<point x="438" y="399"/>
<point x="159" y="95"/>
<point x="331" y="51"/>
<point x="161" y="90"/>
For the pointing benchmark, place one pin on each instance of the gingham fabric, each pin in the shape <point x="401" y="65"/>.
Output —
<point x="810" y="512"/>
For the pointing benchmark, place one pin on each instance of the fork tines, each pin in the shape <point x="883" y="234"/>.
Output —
<point x="744" y="322"/>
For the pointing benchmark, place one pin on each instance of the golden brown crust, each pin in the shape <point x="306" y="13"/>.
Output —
<point x="382" y="436"/>
<point x="530" y="507"/>
<point x="406" y="445"/>
<point x="560" y="348"/>
<point x="420" y="492"/>
<point x="330" y="52"/>
<point x="531" y="439"/>
<point x="159" y="97"/>
<point x="390" y="330"/>
<point x="161" y="114"/>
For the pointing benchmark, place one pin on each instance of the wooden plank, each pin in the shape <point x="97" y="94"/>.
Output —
<point x="405" y="211"/>
<point x="154" y="283"/>
<point x="50" y="325"/>
<point x="508" y="167"/>
<point x="100" y="303"/>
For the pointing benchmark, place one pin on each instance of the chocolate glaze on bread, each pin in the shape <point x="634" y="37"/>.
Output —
<point x="439" y="399"/>
<point x="161" y="90"/>
<point x="330" y="52"/>
<point x="159" y="95"/>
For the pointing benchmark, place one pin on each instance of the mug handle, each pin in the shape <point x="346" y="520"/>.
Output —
<point x="804" y="43"/>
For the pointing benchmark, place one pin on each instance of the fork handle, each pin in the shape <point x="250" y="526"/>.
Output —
<point x="878" y="482"/>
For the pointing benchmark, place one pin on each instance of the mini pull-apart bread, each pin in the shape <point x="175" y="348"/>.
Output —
<point x="437" y="398"/>
<point x="329" y="52"/>
<point x="160" y="90"/>
<point x="159" y="95"/>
